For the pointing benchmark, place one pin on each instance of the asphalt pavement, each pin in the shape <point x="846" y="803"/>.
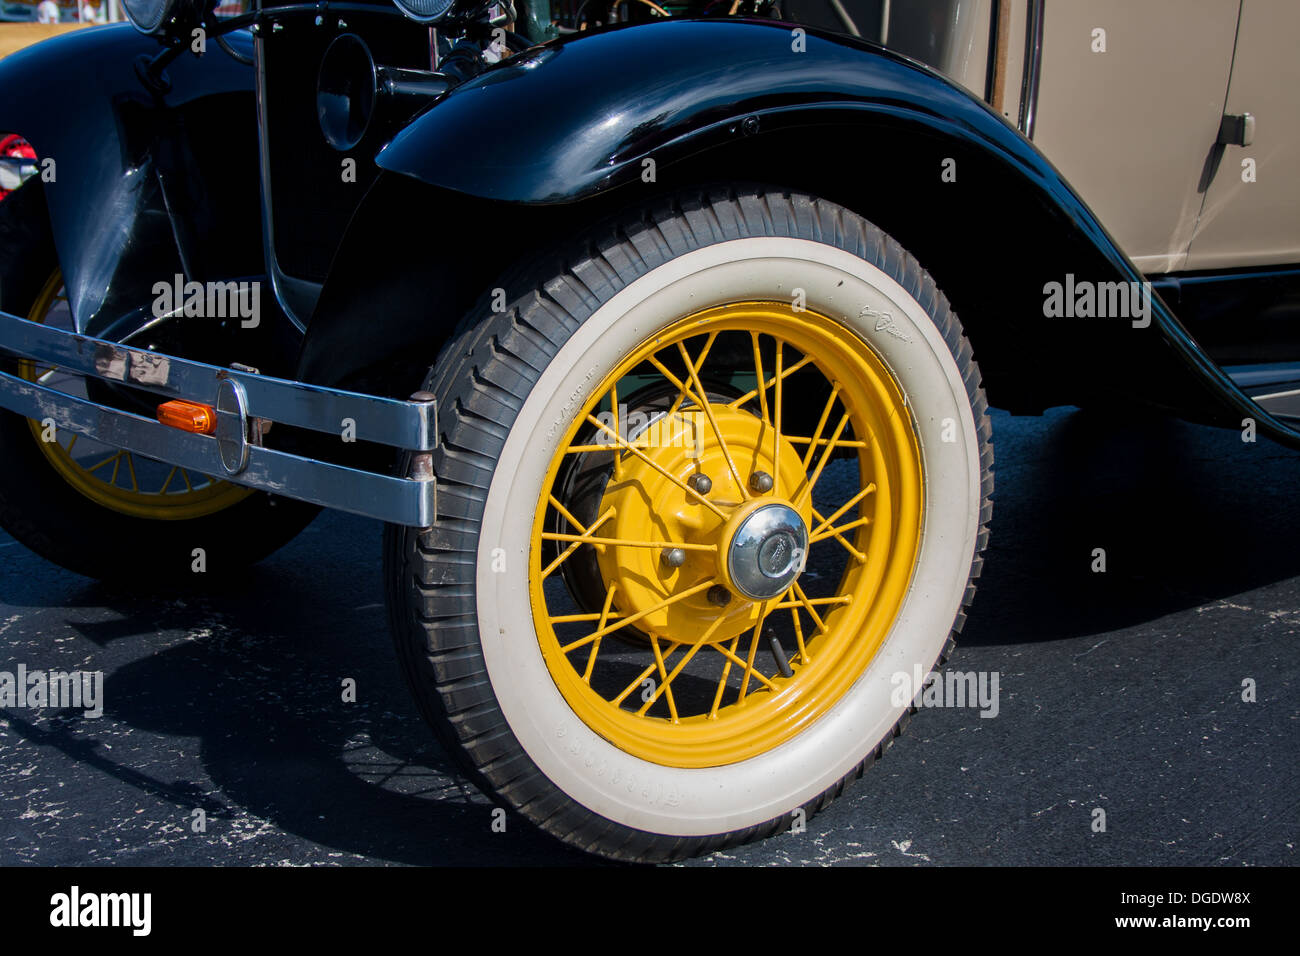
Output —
<point x="225" y="737"/>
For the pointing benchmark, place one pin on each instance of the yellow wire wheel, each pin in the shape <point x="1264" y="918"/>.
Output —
<point x="745" y="526"/>
<point x="116" y="479"/>
<point x="714" y="480"/>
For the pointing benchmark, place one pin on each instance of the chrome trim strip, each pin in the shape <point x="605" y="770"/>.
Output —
<point x="408" y="425"/>
<point x="991" y="63"/>
<point x="405" y="501"/>
<point x="294" y="295"/>
<point x="1033" y="67"/>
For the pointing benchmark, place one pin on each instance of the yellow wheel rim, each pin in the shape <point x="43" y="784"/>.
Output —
<point x="115" y="479"/>
<point x="642" y="627"/>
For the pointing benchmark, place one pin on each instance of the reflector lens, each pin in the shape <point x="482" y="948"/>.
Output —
<point x="188" y="416"/>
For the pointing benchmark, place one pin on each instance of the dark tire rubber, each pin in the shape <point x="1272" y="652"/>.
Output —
<point x="481" y="380"/>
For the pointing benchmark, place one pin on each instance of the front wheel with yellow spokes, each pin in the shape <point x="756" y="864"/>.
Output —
<point x="699" y="514"/>
<point x="95" y="509"/>
<point x="757" y="548"/>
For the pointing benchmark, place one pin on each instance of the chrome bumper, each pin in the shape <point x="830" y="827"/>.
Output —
<point x="245" y="402"/>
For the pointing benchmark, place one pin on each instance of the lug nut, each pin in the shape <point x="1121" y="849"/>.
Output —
<point x="673" y="557"/>
<point x="760" y="482"/>
<point x="719" y="595"/>
<point x="700" y="484"/>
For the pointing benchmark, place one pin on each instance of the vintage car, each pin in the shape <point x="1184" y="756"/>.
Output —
<point x="638" y="327"/>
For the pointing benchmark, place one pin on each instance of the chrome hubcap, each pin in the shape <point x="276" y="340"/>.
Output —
<point x="767" y="552"/>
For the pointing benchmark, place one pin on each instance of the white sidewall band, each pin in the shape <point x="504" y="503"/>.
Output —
<point x="697" y="802"/>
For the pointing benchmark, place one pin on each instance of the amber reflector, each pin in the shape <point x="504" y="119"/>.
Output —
<point x="188" y="416"/>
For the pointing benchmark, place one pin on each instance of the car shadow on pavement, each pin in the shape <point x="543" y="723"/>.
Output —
<point x="250" y="689"/>
<point x="243" y="682"/>
<point x="278" y="744"/>
<point x="1181" y="515"/>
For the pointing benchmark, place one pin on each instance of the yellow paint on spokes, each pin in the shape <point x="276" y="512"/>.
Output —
<point x="668" y="615"/>
<point x="652" y="503"/>
<point x="113" y="482"/>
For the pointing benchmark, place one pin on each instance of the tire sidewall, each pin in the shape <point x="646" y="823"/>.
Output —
<point x="695" y="802"/>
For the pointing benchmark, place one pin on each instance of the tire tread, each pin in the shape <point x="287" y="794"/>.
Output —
<point x="551" y="298"/>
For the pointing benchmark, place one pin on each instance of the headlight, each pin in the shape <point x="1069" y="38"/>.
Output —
<point x="425" y="11"/>
<point x="148" y="15"/>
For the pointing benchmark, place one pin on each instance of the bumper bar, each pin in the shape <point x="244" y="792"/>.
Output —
<point x="245" y="401"/>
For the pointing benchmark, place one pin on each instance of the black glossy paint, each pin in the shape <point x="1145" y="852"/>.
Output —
<point x="150" y="184"/>
<point x="582" y="112"/>
<point x="145" y="185"/>
<point x="574" y="120"/>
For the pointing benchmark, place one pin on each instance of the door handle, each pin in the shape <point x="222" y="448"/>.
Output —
<point x="1237" y="129"/>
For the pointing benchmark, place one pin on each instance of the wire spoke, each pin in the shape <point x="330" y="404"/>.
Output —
<point x="657" y="467"/>
<point x="836" y="532"/>
<point x="839" y="599"/>
<point x="842" y="443"/>
<point x="753" y="392"/>
<point x="760" y="377"/>
<point x="595" y="645"/>
<point x="578" y="541"/>
<point x="722" y="681"/>
<point x="617" y="701"/>
<point x="804" y="657"/>
<point x="713" y="423"/>
<point x="623" y="622"/>
<point x="808" y="606"/>
<point x="109" y="460"/>
<point x="708" y="632"/>
<point x="613" y="401"/>
<point x="776" y="427"/>
<point x="857" y="555"/>
<point x="694" y="368"/>
<point x="821" y="423"/>
<point x="584" y="616"/>
<point x="625" y="542"/>
<point x="597" y="449"/>
<point x="555" y="503"/>
<point x="665" y="685"/>
<point x="868" y="489"/>
<point x="749" y="660"/>
<point x="684" y="390"/>
<point x="811" y="482"/>
<point x="731" y="657"/>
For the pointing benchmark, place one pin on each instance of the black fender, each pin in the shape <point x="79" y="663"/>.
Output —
<point x="572" y="125"/>
<point x="143" y="184"/>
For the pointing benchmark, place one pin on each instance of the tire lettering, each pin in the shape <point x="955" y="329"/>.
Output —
<point x="573" y="399"/>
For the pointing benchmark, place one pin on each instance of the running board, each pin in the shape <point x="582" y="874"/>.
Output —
<point x="1275" y="387"/>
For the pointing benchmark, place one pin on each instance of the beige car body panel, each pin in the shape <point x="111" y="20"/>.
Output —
<point x="1130" y="127"/>
<point x="1130" y="98"/>
<point x="1255" y="223"/>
